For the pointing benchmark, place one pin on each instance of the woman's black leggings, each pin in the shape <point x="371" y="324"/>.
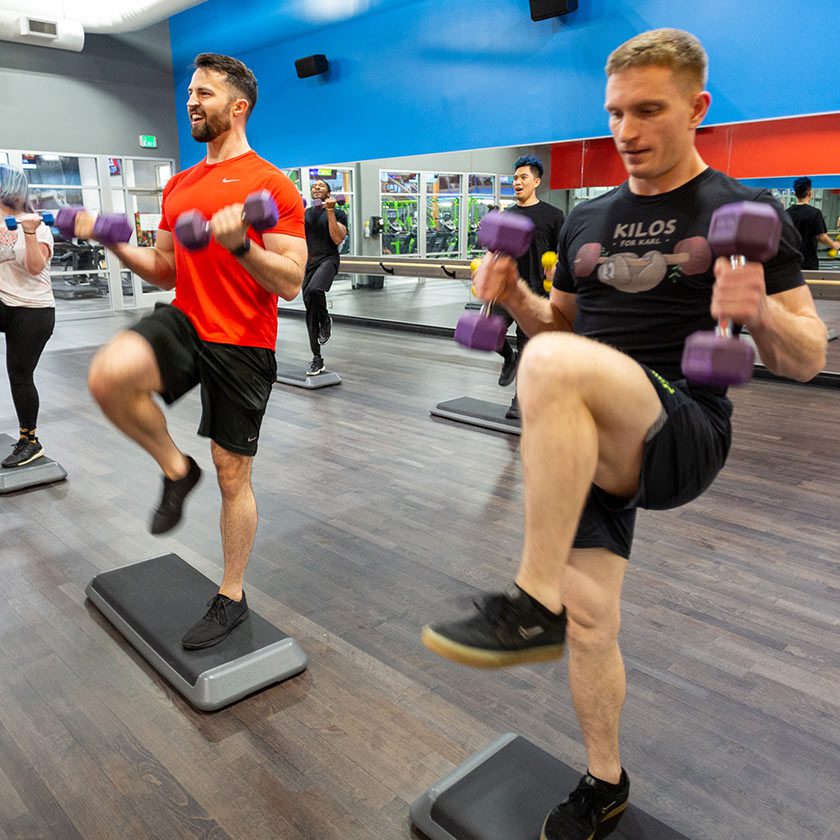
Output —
<point x="27" y="329"/>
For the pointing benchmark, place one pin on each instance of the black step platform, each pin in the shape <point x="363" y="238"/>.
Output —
<point x="295" y="375"/>
<point x="42" y="470"/>
<point x="505" y="792"/>
<point x="155" y="602"/>
<point x="481" y="413"/>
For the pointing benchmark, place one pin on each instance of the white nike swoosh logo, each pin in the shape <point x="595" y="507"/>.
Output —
<point x="252" y="439"/>
<point x="530" y="632"/>
<point x="229" y="180"/>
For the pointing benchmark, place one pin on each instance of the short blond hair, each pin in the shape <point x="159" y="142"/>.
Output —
<point x="674" y="48"/>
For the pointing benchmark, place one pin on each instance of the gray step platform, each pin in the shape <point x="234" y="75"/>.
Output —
<point x="41" y="471"/>
<point x="153" y="603"/>
<point x="481" y="413"/>
<point x="505" y="792"/>
<point x="295" y="375"/>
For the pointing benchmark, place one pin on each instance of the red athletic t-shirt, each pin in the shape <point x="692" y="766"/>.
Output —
<point x="221" y="299"/>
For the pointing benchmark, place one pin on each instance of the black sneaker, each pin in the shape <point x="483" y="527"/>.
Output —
<point x="316" y="366"/>
<point x="590" y="811"/>
<point x="171" y="506"/>
<point x="224" y="614"/>
<point x="325" y="332"/>
<point x="508" y="373"/>
<point x="25" y="451"/>
<point x="513" y="412"/>
<point x="507" y="628"/>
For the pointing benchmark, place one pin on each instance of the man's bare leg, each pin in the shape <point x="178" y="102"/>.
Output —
<point x="122" y="378"/>
<point x="238" y="518"/>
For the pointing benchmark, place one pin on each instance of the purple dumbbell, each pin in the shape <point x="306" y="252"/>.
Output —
<point x="745" y="230"/>
<point x="502" y="233"/>
<point x="340" y="200"/>
<point x="108" y="228"/>
<point x="193" y="229"/>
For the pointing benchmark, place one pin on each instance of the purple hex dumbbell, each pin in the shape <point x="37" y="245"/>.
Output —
<point x="192" y="228"/>
<point x="502" y="233"/>
<point x="108" y="228"/>
<point x="745" y="230"/>
<point x="340" y="200"/>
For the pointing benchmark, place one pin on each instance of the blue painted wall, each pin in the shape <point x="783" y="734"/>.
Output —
<point x="416" y="76"/>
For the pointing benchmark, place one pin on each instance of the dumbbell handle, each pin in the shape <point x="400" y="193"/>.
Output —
<point x="724" y="325"/>
<point x="13" y="221"/>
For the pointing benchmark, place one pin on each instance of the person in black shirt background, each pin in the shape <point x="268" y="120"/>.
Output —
<point x="326" y="229"/>
<point x="548" y="220"/>
<point x="609" y="424"/>
<point x="810" y="224"/>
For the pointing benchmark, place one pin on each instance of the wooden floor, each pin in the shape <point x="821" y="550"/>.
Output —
<point x="375" y="520"/>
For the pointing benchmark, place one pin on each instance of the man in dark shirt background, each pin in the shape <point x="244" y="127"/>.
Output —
<point x="326" y="229"/>
<point x="548" y="220"/>
<point x="810" y="224"/>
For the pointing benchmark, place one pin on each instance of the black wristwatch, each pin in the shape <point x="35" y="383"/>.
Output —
<point x="243" y="248"/>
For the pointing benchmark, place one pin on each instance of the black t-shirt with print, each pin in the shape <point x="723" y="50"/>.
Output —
<point x="642" y="269"/>
<point x="809" y="222"/>
<point x="318" y="240"/>
<point x="548" y="221"/>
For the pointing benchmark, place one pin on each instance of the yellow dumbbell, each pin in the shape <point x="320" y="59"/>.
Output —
<point x="549" y="260"/>
<point x="832" y="252"/>
<point x="475" y="264"/>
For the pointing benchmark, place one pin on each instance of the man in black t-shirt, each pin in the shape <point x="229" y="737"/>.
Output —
<point x="326" y="229"/>
<point x="810" y="224"/>
<point x="548" y="220"/>
<point x="609" y="425"/>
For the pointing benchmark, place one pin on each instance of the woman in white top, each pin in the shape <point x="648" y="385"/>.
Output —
<point x="27" y="306"/>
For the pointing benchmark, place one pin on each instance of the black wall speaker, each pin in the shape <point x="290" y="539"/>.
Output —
<point x="312" y="65"/>
<point x="542" y="9"/>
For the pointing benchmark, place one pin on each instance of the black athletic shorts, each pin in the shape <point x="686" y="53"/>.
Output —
<point x="685" y="450"/>
<point x="236" y="382"/>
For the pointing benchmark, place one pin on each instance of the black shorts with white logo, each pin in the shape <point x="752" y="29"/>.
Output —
<point x="236" y="382"/>
<point x="684" y="451"/>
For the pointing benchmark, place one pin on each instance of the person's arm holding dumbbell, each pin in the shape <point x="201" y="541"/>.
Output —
<point x="498" y="279"/>
<point x="277" y="267"/>
<point x="155" y="265"/>
<point x="337" y="230"/>
<point x="37" y="253"/>
<point x="788" y="332"/>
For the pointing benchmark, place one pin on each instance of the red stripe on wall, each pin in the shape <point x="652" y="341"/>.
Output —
<point x="771" y="149"/>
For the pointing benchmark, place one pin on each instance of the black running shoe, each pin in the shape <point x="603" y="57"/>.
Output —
<point x="224" y="614"/>
<point x="316" y="366"/>
<point x="513" y="412"/>
<point x="590" y="812"/>
<point x="507" y="628"/>
<point x="25" y="451"/>
<point x="325" y="332"/>
<point x="508" y="373"/>
<point x="168" y="513"/>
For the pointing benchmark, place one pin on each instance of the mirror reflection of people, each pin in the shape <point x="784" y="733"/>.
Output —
<point x="810" y="224"/>
<point x="548" y="220"/>
<point x="27" y="306"/>
<point x="326" y="229"/>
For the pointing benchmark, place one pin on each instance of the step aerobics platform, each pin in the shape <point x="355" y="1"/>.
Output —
<point x="505" y="792"/>
<point x="155" y="602"/>
<point x="481" y="413"/>
<point x="42" y="470"/>
<point x="296" y="376"/>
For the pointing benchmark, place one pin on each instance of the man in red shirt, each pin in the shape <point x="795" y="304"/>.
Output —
<point x="220" y="330"/>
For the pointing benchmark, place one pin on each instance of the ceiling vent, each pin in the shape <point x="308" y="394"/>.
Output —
<point x="41" y="32"/>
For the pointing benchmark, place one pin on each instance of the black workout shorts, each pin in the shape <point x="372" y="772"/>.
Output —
<point x="685" y="450"/>
<point x="236" y="382"/>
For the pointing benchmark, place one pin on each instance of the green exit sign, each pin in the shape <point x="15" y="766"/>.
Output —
<point x="148" y="141"/>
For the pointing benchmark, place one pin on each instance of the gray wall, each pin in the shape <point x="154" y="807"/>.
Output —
<point x="97" y="101"/>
